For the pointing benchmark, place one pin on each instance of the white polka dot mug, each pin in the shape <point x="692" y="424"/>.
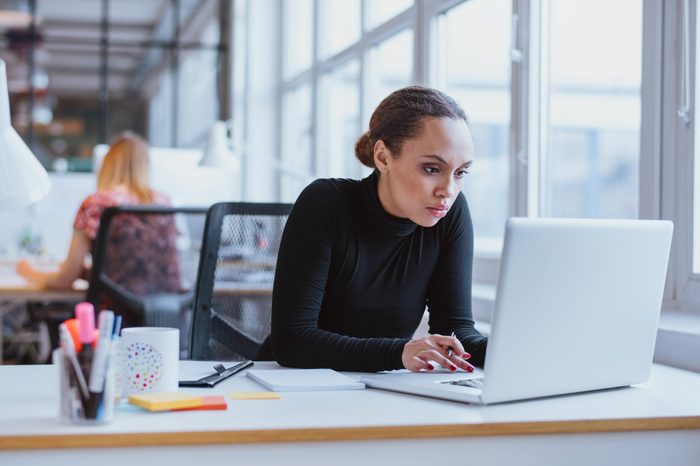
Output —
<point x="149" y="360"/>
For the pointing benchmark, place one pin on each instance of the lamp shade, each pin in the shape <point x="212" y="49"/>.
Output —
<point x="217" y="153"/>
<point x="23" y="180"/>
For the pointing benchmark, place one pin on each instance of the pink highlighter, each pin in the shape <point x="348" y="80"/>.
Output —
<point x="85" y="313"/>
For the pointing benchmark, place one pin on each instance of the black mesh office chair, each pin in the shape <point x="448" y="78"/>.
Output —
<point x="144" y="264"/>
<point x="233" y="300"/>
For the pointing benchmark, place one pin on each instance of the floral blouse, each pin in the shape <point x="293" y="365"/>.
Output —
<point x="87" y="220"/>
<point x="141" y="254"/>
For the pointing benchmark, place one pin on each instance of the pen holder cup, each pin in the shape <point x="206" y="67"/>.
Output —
<point x="74" y="406"/>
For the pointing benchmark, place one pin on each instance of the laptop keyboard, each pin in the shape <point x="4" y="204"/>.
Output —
<point x="473" y="383"/>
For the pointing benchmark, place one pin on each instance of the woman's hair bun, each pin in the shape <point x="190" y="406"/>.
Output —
<point x="364" y="151"/>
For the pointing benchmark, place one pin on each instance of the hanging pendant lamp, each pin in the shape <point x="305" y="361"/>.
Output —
<point x="23" y="180"/>
<point x="217" y="152"/>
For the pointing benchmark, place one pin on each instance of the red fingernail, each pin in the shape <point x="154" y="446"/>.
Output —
<point x="453" y="368"/>
<point x="466" y="356"/>
<point x="430" y="368"/>
<point x="470" y="369"/>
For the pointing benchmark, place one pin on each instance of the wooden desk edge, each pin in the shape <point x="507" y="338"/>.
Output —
<point x="22" y="442"/>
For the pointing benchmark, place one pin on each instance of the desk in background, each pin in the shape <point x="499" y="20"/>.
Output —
<point x="654" y="423"/>
<point x="15" y="291"/>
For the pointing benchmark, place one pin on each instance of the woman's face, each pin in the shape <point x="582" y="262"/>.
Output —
<point x="423" y="181"/>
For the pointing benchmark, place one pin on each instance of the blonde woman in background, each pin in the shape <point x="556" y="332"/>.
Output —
<point x="122" y="180"/>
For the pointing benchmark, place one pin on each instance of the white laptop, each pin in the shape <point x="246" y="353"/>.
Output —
<point x="577" y="309"/>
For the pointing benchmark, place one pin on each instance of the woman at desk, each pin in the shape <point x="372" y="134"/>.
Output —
<point x="122" y="180"/>
<point x="360" y="260"/>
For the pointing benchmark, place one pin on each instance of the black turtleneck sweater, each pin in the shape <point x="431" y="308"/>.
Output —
<point x="353" y="281"/>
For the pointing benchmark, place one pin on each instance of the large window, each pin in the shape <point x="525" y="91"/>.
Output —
<point x="474" y="68"/>
<point x="573" y="105"/>
<point x="383" y="10"/>
<point x="592" y="163"/>
<point x="298" y="36"/>
<point x="337" y="64"/>
<point x="339" y="25"/>
<point x="296" y="140"/>
<point x="391" y="66"/>
<point x="339" y="122"/>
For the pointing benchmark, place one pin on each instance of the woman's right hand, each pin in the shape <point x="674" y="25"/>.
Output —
<point x="24" y="269"/>
<point x="418" y="354"/>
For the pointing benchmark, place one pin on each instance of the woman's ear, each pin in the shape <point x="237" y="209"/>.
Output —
<point x="381" y="156"/>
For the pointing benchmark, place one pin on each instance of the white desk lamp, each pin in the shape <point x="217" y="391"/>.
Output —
<point x="23" y="180"/>
<point x="217" y="153"/>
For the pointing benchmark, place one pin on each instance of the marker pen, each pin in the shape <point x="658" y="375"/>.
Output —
<point x="96" y="335"/>
<point x="98" y="372"/>
<point x="101" y="358"/>
<point x="117" y="327"/>
<point x="69" y="351"/>
<point x="73" y="327"/>
<point x="85" y="312"/>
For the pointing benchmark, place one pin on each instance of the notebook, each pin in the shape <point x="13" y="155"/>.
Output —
<point x="303" y="380"/>
<point x="577" y="309"/>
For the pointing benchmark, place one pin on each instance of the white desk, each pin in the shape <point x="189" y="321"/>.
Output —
<point x="14" y="287"/>
<point x="653" y="423"/>
<point x="16" y="291"/>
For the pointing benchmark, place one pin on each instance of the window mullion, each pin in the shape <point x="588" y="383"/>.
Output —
<point x="319" y="164"/>
<point x="422" y="43"/>
<point x="674" y="146"/>
<point x="529" y="109"/>
<point x="519" y="98"/>
<point x="651" y="124"/>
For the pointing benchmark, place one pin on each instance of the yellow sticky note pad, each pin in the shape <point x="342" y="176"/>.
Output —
<point x="254" y="395"/>
<point x="165" y="401"/>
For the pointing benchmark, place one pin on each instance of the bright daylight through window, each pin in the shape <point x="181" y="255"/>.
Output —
<point x="296" y="141"/>
<point x="340" y="102"/>
<point x="478" y="77"/>
<point x="592" y="163"/>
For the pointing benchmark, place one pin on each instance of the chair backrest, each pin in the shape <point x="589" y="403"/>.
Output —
<point x="144" y="264"/>
<point x="233" y="301"/>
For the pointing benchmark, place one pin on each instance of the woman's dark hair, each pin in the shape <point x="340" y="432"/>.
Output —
<point x="400" y="116"/>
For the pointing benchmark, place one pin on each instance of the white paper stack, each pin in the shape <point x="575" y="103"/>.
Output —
<point x="304" y="380"/>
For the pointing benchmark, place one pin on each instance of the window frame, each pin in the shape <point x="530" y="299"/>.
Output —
<point x="358" y="50"/>
<point x="666" y="145"/>
<point x="658" y="186"/>
<point x="677" y="159"/>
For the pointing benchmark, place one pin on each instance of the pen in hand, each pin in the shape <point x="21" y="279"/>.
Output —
<point x="468" y="367"/>
<point x="449" y="348"/>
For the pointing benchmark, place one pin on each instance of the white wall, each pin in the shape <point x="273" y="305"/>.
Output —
<point x="51" y="218"/>
<point x="176" y="173"/>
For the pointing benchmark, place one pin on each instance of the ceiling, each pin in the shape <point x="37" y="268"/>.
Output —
<point x="70" y="52"/>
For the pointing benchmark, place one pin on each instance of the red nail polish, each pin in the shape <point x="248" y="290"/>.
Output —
<point x="466" y="356"/>
<point x="430" y="368"/>
<point x="453" y="368"/>
<point x="470" y="369"/>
